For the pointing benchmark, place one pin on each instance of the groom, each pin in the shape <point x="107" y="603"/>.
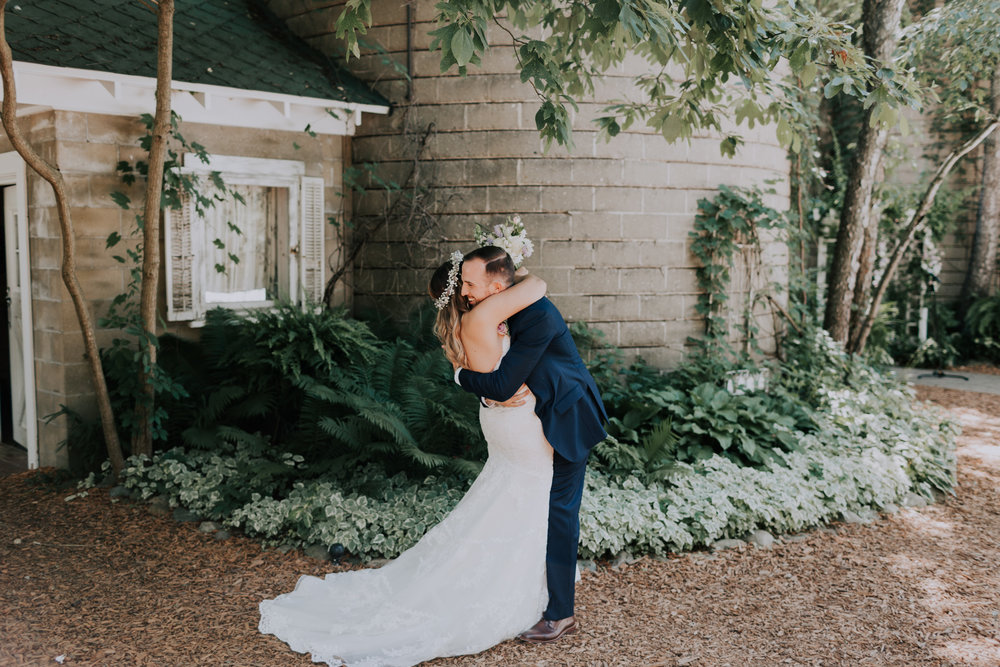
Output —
<point x="543" y="356"/>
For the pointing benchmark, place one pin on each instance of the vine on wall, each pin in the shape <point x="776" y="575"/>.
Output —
<point x="131" y="350"/>
<point x="726" y="234"/>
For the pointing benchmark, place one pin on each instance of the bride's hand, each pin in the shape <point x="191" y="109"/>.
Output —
<point x="519" y="397"/>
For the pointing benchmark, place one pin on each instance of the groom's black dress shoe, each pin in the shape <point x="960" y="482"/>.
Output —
<point x="546" y="631"/>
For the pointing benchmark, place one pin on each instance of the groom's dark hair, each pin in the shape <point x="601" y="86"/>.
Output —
<point x="499" y="265"/>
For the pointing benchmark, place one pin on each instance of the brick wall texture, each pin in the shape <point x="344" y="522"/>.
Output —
<point x="610" y="220"/>
<point x="86" y="148"/>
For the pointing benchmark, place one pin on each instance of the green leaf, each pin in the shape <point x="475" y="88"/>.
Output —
<point x="784" y="132"/>
<point x="798" y="58"/>
<point x="673" y="127"/>
<point x="808" y="74"/>
<point x="121" y="199"/>
<point x="461" y="47"/>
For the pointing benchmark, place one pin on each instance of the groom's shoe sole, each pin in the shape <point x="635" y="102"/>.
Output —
<point x="548" y="637"/>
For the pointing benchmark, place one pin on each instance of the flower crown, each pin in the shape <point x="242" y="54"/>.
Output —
<point x="456" y="261"/>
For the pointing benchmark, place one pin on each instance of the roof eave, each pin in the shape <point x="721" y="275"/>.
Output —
<point x="92" y="91"/>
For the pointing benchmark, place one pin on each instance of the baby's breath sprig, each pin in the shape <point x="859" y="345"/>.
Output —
<point x="456" y="262"/>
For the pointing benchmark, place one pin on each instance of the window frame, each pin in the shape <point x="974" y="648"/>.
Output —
<point x="306" y="232"/>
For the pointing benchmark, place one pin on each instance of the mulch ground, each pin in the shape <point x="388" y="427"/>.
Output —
<point x="984" y="367"/>
<point x="102" y="583"/>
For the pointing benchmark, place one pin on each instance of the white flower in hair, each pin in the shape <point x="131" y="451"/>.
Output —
<point x="456" y="262"/>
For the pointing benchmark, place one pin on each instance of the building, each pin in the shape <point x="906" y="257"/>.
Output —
<point x="284" y="124"/>
<point x="247" y="90"/>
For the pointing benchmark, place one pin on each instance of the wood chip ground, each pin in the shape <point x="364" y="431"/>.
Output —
<point x="102" y="583"/>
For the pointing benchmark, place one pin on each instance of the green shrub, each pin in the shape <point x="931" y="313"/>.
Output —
<point x="273" y="497"/>
<point x="250" y="369"/>
<point x="320" y="385"/>
<point x="982" y="325"/>
<point x="871" y="449"/>
<point x="689" y="462"/>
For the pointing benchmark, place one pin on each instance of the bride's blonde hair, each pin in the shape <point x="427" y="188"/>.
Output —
<point x="448" y="325"/>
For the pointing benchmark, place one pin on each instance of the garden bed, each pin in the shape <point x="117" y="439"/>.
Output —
<point x="108" y="583"/>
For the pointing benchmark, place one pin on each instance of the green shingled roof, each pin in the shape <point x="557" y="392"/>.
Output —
<point x="234" y="43"/>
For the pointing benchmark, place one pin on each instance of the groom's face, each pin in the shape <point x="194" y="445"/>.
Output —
<point x="476" y="283"/>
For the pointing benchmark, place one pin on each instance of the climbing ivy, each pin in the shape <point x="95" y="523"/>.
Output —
<point x="725" y="226"/>
<point x="130" y="351"/>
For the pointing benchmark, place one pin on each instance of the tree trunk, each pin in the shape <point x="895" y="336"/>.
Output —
<point x="881" y="32"/>
<point x="55" y="178"/>
<point x="866" y="268"/>
<point x="984" y="243"/>
<point x="143" y="438"/>
<point x="914" y="225"/>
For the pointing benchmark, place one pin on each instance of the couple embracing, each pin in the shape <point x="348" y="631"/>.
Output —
<point x="505" y="557"/>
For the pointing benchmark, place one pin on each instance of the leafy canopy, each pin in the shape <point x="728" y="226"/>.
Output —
<point x="952" y="50"/>
<point x="703" y="60"/>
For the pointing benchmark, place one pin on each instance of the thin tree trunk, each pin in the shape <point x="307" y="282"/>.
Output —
<point x="55" y="178"/>
<point x="143" y="438"/>
<point x="914" y="225"/>
<point x="984" y="243"/>
<point x="866" y="268"/>
<point x="881" y="33"/>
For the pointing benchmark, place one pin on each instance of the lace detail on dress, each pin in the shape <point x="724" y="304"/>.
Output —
<point x="474" y="580"/>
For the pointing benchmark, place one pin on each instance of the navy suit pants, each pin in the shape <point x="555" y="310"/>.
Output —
<point x="564" y="535"/>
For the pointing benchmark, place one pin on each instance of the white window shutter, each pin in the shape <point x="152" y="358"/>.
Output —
<point x="311" y="253"/>
<point x="180" y="256"/>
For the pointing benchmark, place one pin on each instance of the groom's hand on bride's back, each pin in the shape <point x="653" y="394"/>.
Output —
<point x="518" y="399"/>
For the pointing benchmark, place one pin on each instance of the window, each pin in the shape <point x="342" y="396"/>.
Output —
<point x="277" y="234"/>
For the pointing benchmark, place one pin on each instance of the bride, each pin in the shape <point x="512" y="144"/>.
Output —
<point x="478" y="577"/>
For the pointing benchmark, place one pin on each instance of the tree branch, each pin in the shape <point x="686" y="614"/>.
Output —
<point x="359" y="244"/>
<point x="916" y="222"/>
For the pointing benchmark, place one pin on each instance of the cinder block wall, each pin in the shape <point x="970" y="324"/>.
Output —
<point x="86" y="148"/>
<point x="610" y="220"/>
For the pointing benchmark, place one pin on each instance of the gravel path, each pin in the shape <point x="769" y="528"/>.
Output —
<point x="102" y="583"/>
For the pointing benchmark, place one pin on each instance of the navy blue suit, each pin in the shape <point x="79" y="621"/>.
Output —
<point x="568" y="403"/>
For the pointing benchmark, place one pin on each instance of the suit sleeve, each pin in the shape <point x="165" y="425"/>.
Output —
<point x="537" y="332"/>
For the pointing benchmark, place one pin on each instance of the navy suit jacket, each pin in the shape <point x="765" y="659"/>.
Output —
<point x="543" y="356"/>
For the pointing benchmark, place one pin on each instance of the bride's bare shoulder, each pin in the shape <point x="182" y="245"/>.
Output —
<point x="482" y="348"/>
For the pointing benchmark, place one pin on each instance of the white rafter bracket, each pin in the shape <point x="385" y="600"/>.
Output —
<point x="284" y="107"/>
<point x="113" y="88"/>
<point x="203" y="99"/>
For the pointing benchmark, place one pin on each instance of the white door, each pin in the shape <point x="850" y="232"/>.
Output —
<point x="14" y="319"/>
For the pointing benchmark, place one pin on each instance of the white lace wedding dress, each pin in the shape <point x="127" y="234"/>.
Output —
<point x="474" y="580"/>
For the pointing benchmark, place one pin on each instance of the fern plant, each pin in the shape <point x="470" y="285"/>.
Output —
<point x="401" y="406"/>
<point x="652" y="456"/>
<point x="320" y="385"/>
<point x="982" y="322"/>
